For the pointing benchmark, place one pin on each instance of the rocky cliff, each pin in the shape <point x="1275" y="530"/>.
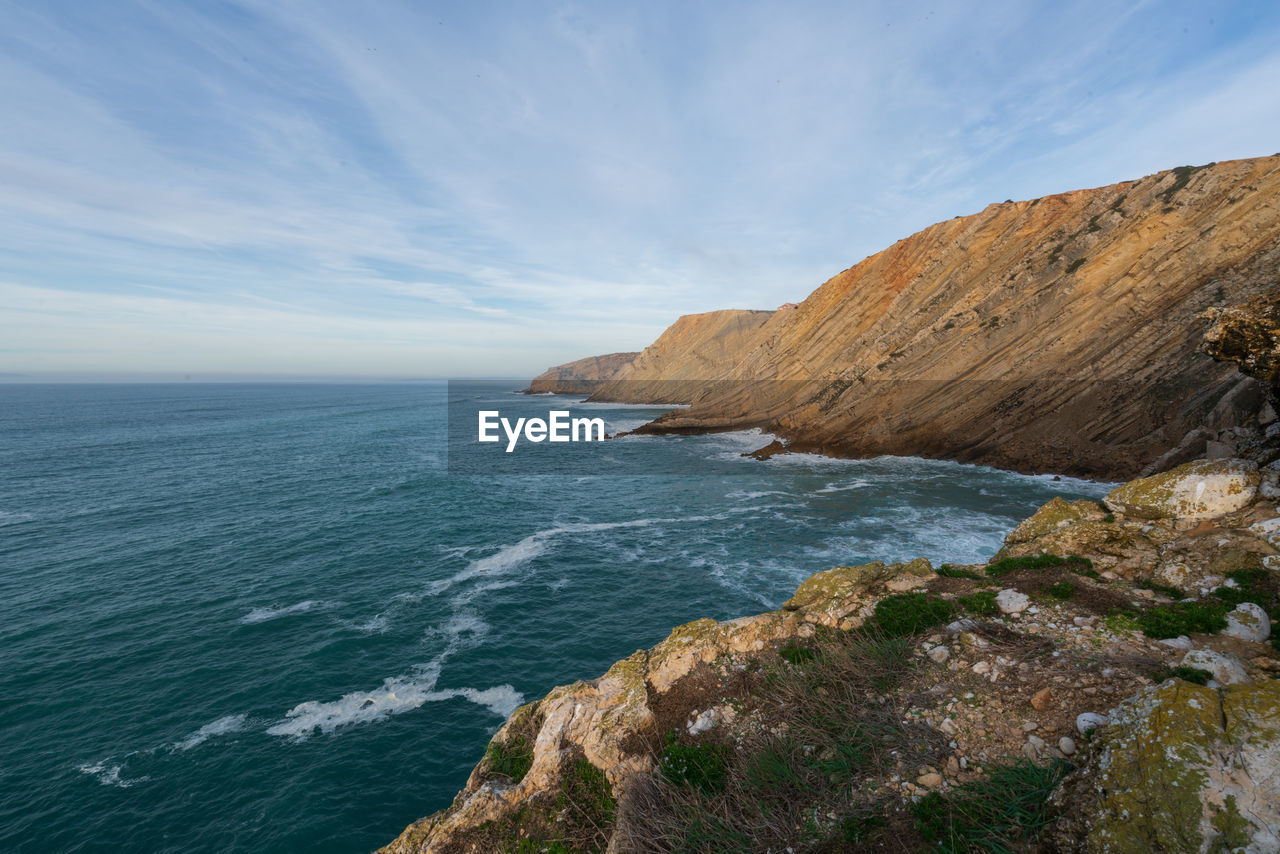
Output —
<point x="1106" y="683"/>
<point x="1057" y="334"/>
<point x="694" y="349"/>
<point x="580" y="377"/>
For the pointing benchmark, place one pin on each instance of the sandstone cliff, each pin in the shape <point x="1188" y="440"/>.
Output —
<point x="695" y="348"/>
<point x="580" y="377"/>
<point x="1057" y="334"/>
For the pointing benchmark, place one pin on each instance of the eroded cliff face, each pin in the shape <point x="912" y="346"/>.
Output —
<point x="1058" y="334"/>
<point x="580" y="377"/>
<point x="694" y="349"/>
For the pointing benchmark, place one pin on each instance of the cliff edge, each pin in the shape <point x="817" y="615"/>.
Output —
<point x="1058" y="334"/>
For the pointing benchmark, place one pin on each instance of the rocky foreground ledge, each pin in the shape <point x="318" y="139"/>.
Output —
<point x="1107" y="682"/>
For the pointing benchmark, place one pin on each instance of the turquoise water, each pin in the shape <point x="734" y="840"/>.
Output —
<point x="267" y="618"/>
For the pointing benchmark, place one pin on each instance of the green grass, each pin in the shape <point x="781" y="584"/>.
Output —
<point x="910" y="613"/>
<point x="1110" y="518"/>
<point x="1012" y="564"/>
<point x="796" y="653"/>
<point x="1256" y="585"/>
<point x="982" y="602"/>
<point x="1187" y="674"/>
<point x="1171" y="592"/>
<point x="1182" y="618"/>
<point x="512" y="759"/>
<point x="699" y="766"/>
<point x="1004" y="811"/>
<point x="1062" y="590"/>
<point x="1093" y="224"/>
<point x="949" y="571"/>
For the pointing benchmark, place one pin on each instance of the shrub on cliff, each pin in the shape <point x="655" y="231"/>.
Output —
<point x="910" y="613"/>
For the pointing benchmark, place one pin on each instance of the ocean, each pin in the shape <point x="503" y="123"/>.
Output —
<point x="267" y="617"/>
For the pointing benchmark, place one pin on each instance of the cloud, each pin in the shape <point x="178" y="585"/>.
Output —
<point x="524" y="184"/>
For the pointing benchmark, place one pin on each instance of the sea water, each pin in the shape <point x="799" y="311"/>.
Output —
<point x="266" y="617"/>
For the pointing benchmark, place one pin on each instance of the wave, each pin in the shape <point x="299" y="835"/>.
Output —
<point x="396" y="695"/>
<point x="13" y="517"/>
<point x="510" y="557"/>
<point x="222" y="726"/>
<point x="262" y="615"/>
<point x="109" y="775"/>
<point x="843" y="487"/>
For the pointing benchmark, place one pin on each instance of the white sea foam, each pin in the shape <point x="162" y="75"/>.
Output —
<point x="222" y="726"/>
<point x="843" y="487"/>
<point x="510" y="557"/>
<point x="397" y="694"/>
<point x="109" y="775"/>
<point x="13" y="517"/>
<point x="262" y="615"/>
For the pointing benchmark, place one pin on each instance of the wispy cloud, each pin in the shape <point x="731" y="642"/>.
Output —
<point x="483" y="189"/>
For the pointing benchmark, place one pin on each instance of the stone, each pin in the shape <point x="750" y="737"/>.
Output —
<point x="931" y="780"/>
<point x="1011" y="601"/>
<point x="1192" y="492"/>
<point x="703" y="722"/>
<point x="1174" y="574"/>
<point x="939" y="654"/>
<point x="1180" y="642"/>
<point x="1066" y="746"/>
<point x="948" y="727"/>
<point x="1030" y="726"/>
<point x="1180" y="768"/>
<point x="1058" y="513"/>
<point x="1226" y="668"/>
<point x="981" y="667"/>
<point x="1249" y="622"/>
<point x="1086" y="721"/>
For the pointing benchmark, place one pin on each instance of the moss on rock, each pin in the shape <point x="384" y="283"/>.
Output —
<point x="1196" y="491"/>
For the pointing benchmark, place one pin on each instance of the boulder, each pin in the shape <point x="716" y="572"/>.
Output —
<point x="1012" y="602"/>
<point x="1058" y="513"/>
<point x="1249" y="622"/>
<point x="1192" y="492"/>
<point x="1180" y="768"/>
<point x="1226" y="669"/>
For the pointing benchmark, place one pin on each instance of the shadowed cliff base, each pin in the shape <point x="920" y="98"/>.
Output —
<point x="919" y="349"/>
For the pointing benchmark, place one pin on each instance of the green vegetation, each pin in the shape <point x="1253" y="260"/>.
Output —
<point x="1093" y="224"/>
<point x="1256" y="585"/>
<point x="982" y="602"/>
<point x="1062" y="590"/>
<point x="699" y="766"/>
<point x="1115" y="206"/>
<point x="909" y="613"/>
<point x="796" y="653"/>
<point x="1187" y="674"/>
<point x="826" y="730"/>
<point x="511" y="759"/>
<point x="1012" y="564"/>
<point x="1110" y="518"/>
<point x="1075" y="265"/>
<point x="1007" y="809"/>
<point x="1181" y="618"/>
<point x="1171" y="592"/>
<point x="1182" y="176"/>
<point x="949" y="571"/>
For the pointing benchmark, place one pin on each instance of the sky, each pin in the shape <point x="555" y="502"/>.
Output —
<point x="442" y="189"/>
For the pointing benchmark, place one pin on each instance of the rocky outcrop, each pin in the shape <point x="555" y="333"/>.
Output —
<point x="1056" y="334"/>
<point x="1194" y="491"/>
<point x="1180" y="767"/>
<point x="1248" y="335"/>
<point x="1073" y="631"/>
<point x="581" y="377"/>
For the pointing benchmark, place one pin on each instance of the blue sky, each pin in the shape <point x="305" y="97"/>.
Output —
<point x="468" y="189"/>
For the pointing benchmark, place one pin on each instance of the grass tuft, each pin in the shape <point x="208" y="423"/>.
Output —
<point x="910" y="613"/>
<point x="1004" y="811"/>
<point x="1012" y="564"/>
<point x="1182" y="618"/>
